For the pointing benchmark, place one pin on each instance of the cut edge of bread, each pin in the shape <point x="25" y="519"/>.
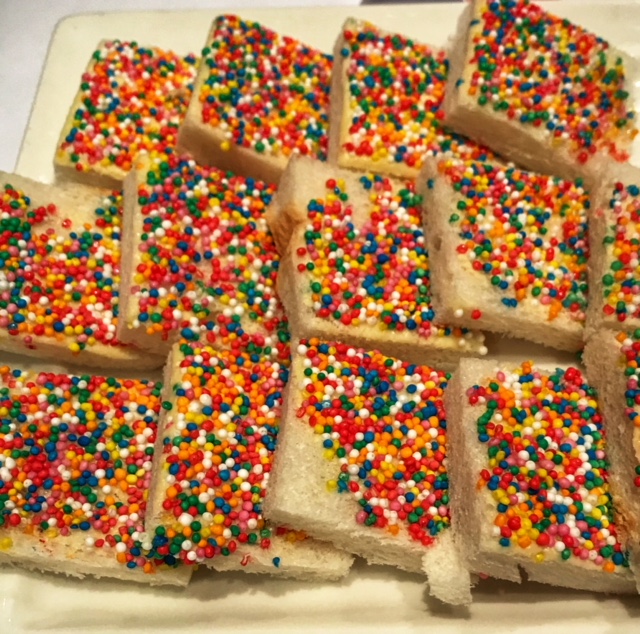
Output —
<point x="458" y="290"/>
<point x="473" y="509"/>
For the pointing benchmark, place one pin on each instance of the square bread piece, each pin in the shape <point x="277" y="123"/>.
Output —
<point x="537" y="89"/>
<point x="355" y="267"/>
<point x="75" y="465"/>
<point x="361" y="461"/>
<point x="613" y="362"/>
<point x="198" y="247"/>
<point x="60" y="274"/>
<point x="508" y="250"/>
<point x="529" y="478"/>
<point x="259" y="98"/>
<point x="131" y="100"/>
<point x="614" y="265"/>
<point x="387" y="92"/>
<point x="218" y="433"/>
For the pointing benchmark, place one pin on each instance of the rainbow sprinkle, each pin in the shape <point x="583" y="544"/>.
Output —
<point x="546" y="467"/>
<point x="131" y="100"/>
<point x="205" y="249"/>
<point x="75" y="459"/>
<point x="526" y="232"/>
<point x="630" y="351"/>
<point x="59" y="281"/>
<point x="393" y="102"/>
<point x="382" y="421"/>
<point x="265" y="92"/>
<point x="220" y="432"/>
<point x="621" y="280"/>
<point x="375" y="274"/>
<point x="550" y="75"/>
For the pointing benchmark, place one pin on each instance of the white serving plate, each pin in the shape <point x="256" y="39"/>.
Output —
<point x="371" y="598"/>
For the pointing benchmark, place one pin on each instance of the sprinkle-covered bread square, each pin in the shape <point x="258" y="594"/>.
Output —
<point x="362" y="460"/>
<point x="199" y="249"/>
<point x="260" y="97"/>
<point x="386" y="104"/>
<point x="60" y="274"/>
<point x="76" y="456"/>
<point x="219" y="431"/>
<point x="355" y="266"/>
<point x="131" y="100"/>
<point x="538" y="89"/>
<point x="529" y="470"/>
<point x="508" y="250"/>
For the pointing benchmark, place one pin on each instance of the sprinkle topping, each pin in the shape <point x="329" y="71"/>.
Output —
<point x="75" y="458"/>
<point x="131" y="100"/>
<point x="546" y="469"/>
<point x="382" y="421"/>
<point x="395" y="95"/>
<point x="264" y="91"/>
<point x="621" y="282"/>
<point x="205" y="249"/>
<point x="526" y="232"/>
<point x="630" y="350"/>
<point x="376" y="272"/>
<point x="58" y="280"/>
<point x="219" y="438"/>
<point x="549" y="74"/>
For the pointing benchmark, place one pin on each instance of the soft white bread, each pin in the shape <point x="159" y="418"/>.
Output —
<point x="67" y="488"/>
<point x="131" y="100"/>
<point x="233" y="375"/>
<point x="302" y="487"/>
<point x="250" y="115"/>
<point x="528" y="122"/>
<point x="478" y="527"/>
<point x="611" y="360"/>
<point x="364" y="206"/>
<point x="196" y="253"/>
<point x="614" y="281"/>
<point x="44" y="235"/>
<point x="374" y="72"/>
<point x="500" y="242"/>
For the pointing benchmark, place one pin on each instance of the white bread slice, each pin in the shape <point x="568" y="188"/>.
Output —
<point x="613" y="232"/>
<point x="529" y="230"/>
<point x="60" y="246"/>
<point x="476" y="508"/>
<point x="131" y="100"/>
<point x="67" y="488"/>
<point x="387" y="92"/>
<point x="259" y="98"/>
<point x="246" y="441"/>
<point x="612" y="366"/>
<point x="310" y="485"/>
<point x="355" y="206"/>
<point x="195" y="251"/>
<point x="529" y="122"/>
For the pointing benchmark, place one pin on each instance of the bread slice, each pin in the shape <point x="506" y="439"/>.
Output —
<point x="259" y="98"/>
<point x="74" y="474"/>
<point x="612" y="366"/>
<point x="354" y="265"/>
<point x="131" y="100"/>
<point x="529" y="477"/>
<point x="537" y="89"/>
<point x="198" y="247"/>
<point x="60" y="274"/>
<point x="387" y="92"/>
<point x="614" y="286"/>
<point x="218" y="434"/>
<point x="361" y="461"/>
<point x="508" y="250"/>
